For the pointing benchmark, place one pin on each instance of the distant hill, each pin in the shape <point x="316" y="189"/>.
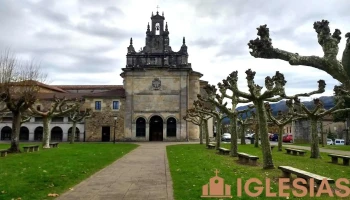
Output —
<point x="328" y="102"/>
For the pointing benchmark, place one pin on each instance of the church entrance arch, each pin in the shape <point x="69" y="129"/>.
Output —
<point x="156" y="128"/>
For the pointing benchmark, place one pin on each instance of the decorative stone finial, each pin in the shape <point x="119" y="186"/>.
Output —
<point x="183" y="40"/>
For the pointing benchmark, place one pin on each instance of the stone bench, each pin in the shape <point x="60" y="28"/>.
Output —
<point x="211" y="146"/>
<point x="287" y="171"/>
<point x="224" y="151"/>
<point x="295" y="151"/>
<point x="3" y="152"/>
<point x="31" y="148"/>
<point x="246" y="158"/>
<point x="273" y="146"/>
<point x="54" y="145"/>
<point x="335" y="159"/>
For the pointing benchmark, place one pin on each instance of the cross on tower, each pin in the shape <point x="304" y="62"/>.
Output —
<point x="157" y="8"/>
<point x="216" y="172"/>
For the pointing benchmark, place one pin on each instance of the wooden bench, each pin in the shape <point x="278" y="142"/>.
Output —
<point x="295" y="151"/>
<point x="31" y="148"/>
<point x="3" y="152"/>
<point x="287" y="171"/>
<point x="54" y="145"/>
<point x="335" y="159"/>
<point x="211" y="146"/>
<point x="245" y="158"/>
<point x="224" y="151"/>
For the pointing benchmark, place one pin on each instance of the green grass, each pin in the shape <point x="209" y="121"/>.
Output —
<point x="192" y="166"/>
<point x="336" y="147"/>
<point x="32" y="176"/>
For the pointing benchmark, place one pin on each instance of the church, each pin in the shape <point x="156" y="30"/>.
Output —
<point x="159" y="86"/>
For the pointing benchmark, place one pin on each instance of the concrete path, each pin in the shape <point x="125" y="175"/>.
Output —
<point x="346" y="153"/>
<point x="141" y="174"/>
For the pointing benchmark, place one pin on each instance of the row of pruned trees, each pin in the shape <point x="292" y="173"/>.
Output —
<point x="274" y="90"/>
<point x="19" y="91"/>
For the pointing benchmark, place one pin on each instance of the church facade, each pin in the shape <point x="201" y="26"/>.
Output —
<point x="159" y="85"/>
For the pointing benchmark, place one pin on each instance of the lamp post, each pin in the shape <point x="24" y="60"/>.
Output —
<point x="115" y="125"/>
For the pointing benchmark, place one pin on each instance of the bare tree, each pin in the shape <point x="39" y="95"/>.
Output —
<point x="58" y="107"/>
<point x="19" y="87"/>
<point x="200" y="119"/>
<point x="244" y="123"/>
<point x="217" y="101"/>
<point x="281" y="120"/>
<point x="316" y="114"/>
<point x="76" y="116"/>
<point x="200" y="107"/>
<point x="340" y="70"/>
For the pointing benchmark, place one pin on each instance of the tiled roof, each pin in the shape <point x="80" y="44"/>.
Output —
<point x="107" y="94"/>
<point x="88" y="87"/>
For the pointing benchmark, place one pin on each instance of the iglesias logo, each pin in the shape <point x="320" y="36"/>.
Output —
<point x="216" y="188"/>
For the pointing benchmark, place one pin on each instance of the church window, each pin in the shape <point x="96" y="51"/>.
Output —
<point x="140" y="127"/>
<point x="97" y="105"/>
<point x="171" y="127"/>
<point x="157" y="29"/>
<point x="115" y="105"/>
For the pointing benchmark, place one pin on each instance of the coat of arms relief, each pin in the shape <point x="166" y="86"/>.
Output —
<point x="156" y="84"/>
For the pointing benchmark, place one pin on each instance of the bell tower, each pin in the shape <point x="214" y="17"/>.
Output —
<point x="157" y="52"/>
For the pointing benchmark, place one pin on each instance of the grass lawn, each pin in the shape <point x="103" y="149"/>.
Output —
<point x="192" y="166"/>
<point x="32" y="176"/>
<point x="336" y="147"/>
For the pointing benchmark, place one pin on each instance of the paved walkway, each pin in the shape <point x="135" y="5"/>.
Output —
<point x="346" y="153"/>
<point x="141" y="174"/>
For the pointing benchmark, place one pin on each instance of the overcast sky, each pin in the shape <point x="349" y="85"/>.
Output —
<point x="85" y="41"/>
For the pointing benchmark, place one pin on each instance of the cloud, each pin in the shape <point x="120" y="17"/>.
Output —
<point x="85" y="41"/>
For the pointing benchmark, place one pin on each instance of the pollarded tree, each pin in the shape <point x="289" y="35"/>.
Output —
<point x="201" y="120"/>
<point x="317" y="114"/>
<point x="217" y="101"/>
<point x="58" y="107"/>
<point x="201" y="107"/>
<point x="77" y="116"/>
<point x="19" y="87"/>
<point x="274" y="87"/>
<point x="340" y="70"/>
<point x="281" y="120"/>
<point x="244" y="122"/>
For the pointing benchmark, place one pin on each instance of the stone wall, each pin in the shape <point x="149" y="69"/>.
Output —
<point x="105" y="117"/>
<point x="171" y="98"/>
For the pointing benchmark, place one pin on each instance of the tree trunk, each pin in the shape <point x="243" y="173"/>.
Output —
<point x="263" y="130"/>
<point x="234" y="137"/>
<point x="16" y="126"/>
<point x="46" y="132"/>
<point x="72" y="137"/>
<point x="242" y="134"/>
<point x="201" y="133"/>
<point x="206" y="132"/>
<point x="256" y="135"/>
<point x="218" y="134"/>
<point x="315" y="151"/>
<point x="280" y="137"/>
<point x="322" y="134"/>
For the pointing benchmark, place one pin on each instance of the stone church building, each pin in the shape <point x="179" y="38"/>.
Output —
<point x="159" y="85"/>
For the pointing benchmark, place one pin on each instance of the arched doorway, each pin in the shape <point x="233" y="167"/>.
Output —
<point x="77" y="134"/>
<point x="171" y="127"/>
<point x="156" y="129"/>
<point x="140" y="127"/>
<point x="56" y="134"/>
<point x="38" y="133"/>
<point x="24" y="133"/>
<point x="6" y="133"/>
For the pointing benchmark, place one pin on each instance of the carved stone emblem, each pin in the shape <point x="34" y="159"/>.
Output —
<point x="156" y="84"/>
